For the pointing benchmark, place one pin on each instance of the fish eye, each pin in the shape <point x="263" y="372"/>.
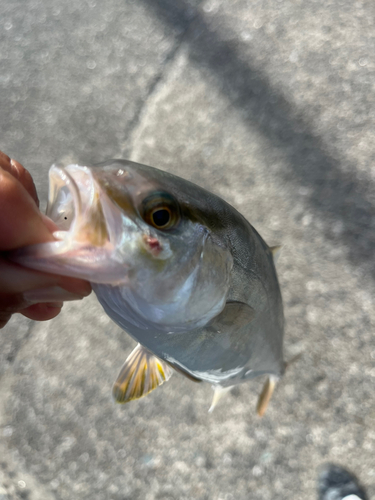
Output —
<point x="161" y="217"/>
<point x="161" y="211"/>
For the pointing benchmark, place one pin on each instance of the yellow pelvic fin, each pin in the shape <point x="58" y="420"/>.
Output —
<point x="218" y="394"/>
<point x="266" y="394"/>
<point x="276" y="251"/>
<point x="141" y="373"/>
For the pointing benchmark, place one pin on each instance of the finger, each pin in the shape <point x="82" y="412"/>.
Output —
<point x="12" y="303"/>
<point x="50" y="294"/>
<point x="74" y="285"/>
<point x="42" y="312"/>
<point x="51" y="226"/>
<point x="40" y="305"/>
<point x="20" y="173"/>
<point x="37" y="312"/>
<point x="17" y="279"/>
<point x="24" y="177"/>
<point x="5" y="162"/>
<point x="21" y="222"/>
<point x="4" y="318"/>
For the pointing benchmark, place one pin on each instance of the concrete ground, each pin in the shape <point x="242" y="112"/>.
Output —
<point x="270" y="104"/>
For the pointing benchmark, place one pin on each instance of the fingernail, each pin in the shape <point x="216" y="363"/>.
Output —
<point x="50" y="294"/>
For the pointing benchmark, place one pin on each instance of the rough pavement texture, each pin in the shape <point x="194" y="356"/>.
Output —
<point x="270" y="104"/>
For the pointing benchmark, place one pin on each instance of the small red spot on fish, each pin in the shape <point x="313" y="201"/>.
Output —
<point x="153" y="245"/>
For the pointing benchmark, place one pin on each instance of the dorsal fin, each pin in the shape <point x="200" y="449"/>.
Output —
<point x="276" y="251"/>
<point x="141" y="373"/>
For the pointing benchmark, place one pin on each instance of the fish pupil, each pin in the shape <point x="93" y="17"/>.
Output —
<point x="161" y="217"/>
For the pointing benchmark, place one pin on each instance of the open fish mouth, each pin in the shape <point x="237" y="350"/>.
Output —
<point x="85" y="245"/>
<point x="64" y="199"/>
<point x="75" y="206"/>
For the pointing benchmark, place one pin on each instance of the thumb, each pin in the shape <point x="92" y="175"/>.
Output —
<point x="21" y="222"/>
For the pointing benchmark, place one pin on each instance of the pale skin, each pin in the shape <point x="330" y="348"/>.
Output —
<point x="36" y="295"/>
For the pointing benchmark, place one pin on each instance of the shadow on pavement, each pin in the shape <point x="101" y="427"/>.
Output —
<point x="340" y="198"/>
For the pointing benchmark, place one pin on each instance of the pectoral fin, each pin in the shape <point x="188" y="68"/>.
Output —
<point x="141" y="373"/>
<point x="265" y="395"/>
<point x="235" y="315"/>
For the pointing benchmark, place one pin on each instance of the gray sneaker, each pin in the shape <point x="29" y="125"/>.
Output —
<point x="336" y="483"/>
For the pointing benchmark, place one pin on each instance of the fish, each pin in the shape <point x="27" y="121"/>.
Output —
<point x="176" y="267"/>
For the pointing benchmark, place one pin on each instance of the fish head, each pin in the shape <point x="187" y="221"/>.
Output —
<point x="135" y="231"/>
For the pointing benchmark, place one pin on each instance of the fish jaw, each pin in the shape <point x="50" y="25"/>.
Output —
<point x="88" y="231"/>
<point x="171" y="281"/>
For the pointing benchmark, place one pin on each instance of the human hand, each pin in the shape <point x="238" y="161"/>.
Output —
<point x="34" y="294"/>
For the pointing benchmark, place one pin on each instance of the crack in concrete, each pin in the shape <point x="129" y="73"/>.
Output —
<point x="188" y="19"/>
<point x="338" y="196"/>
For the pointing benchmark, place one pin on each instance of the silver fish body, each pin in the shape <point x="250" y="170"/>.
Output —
<point x="175" y="266"/>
